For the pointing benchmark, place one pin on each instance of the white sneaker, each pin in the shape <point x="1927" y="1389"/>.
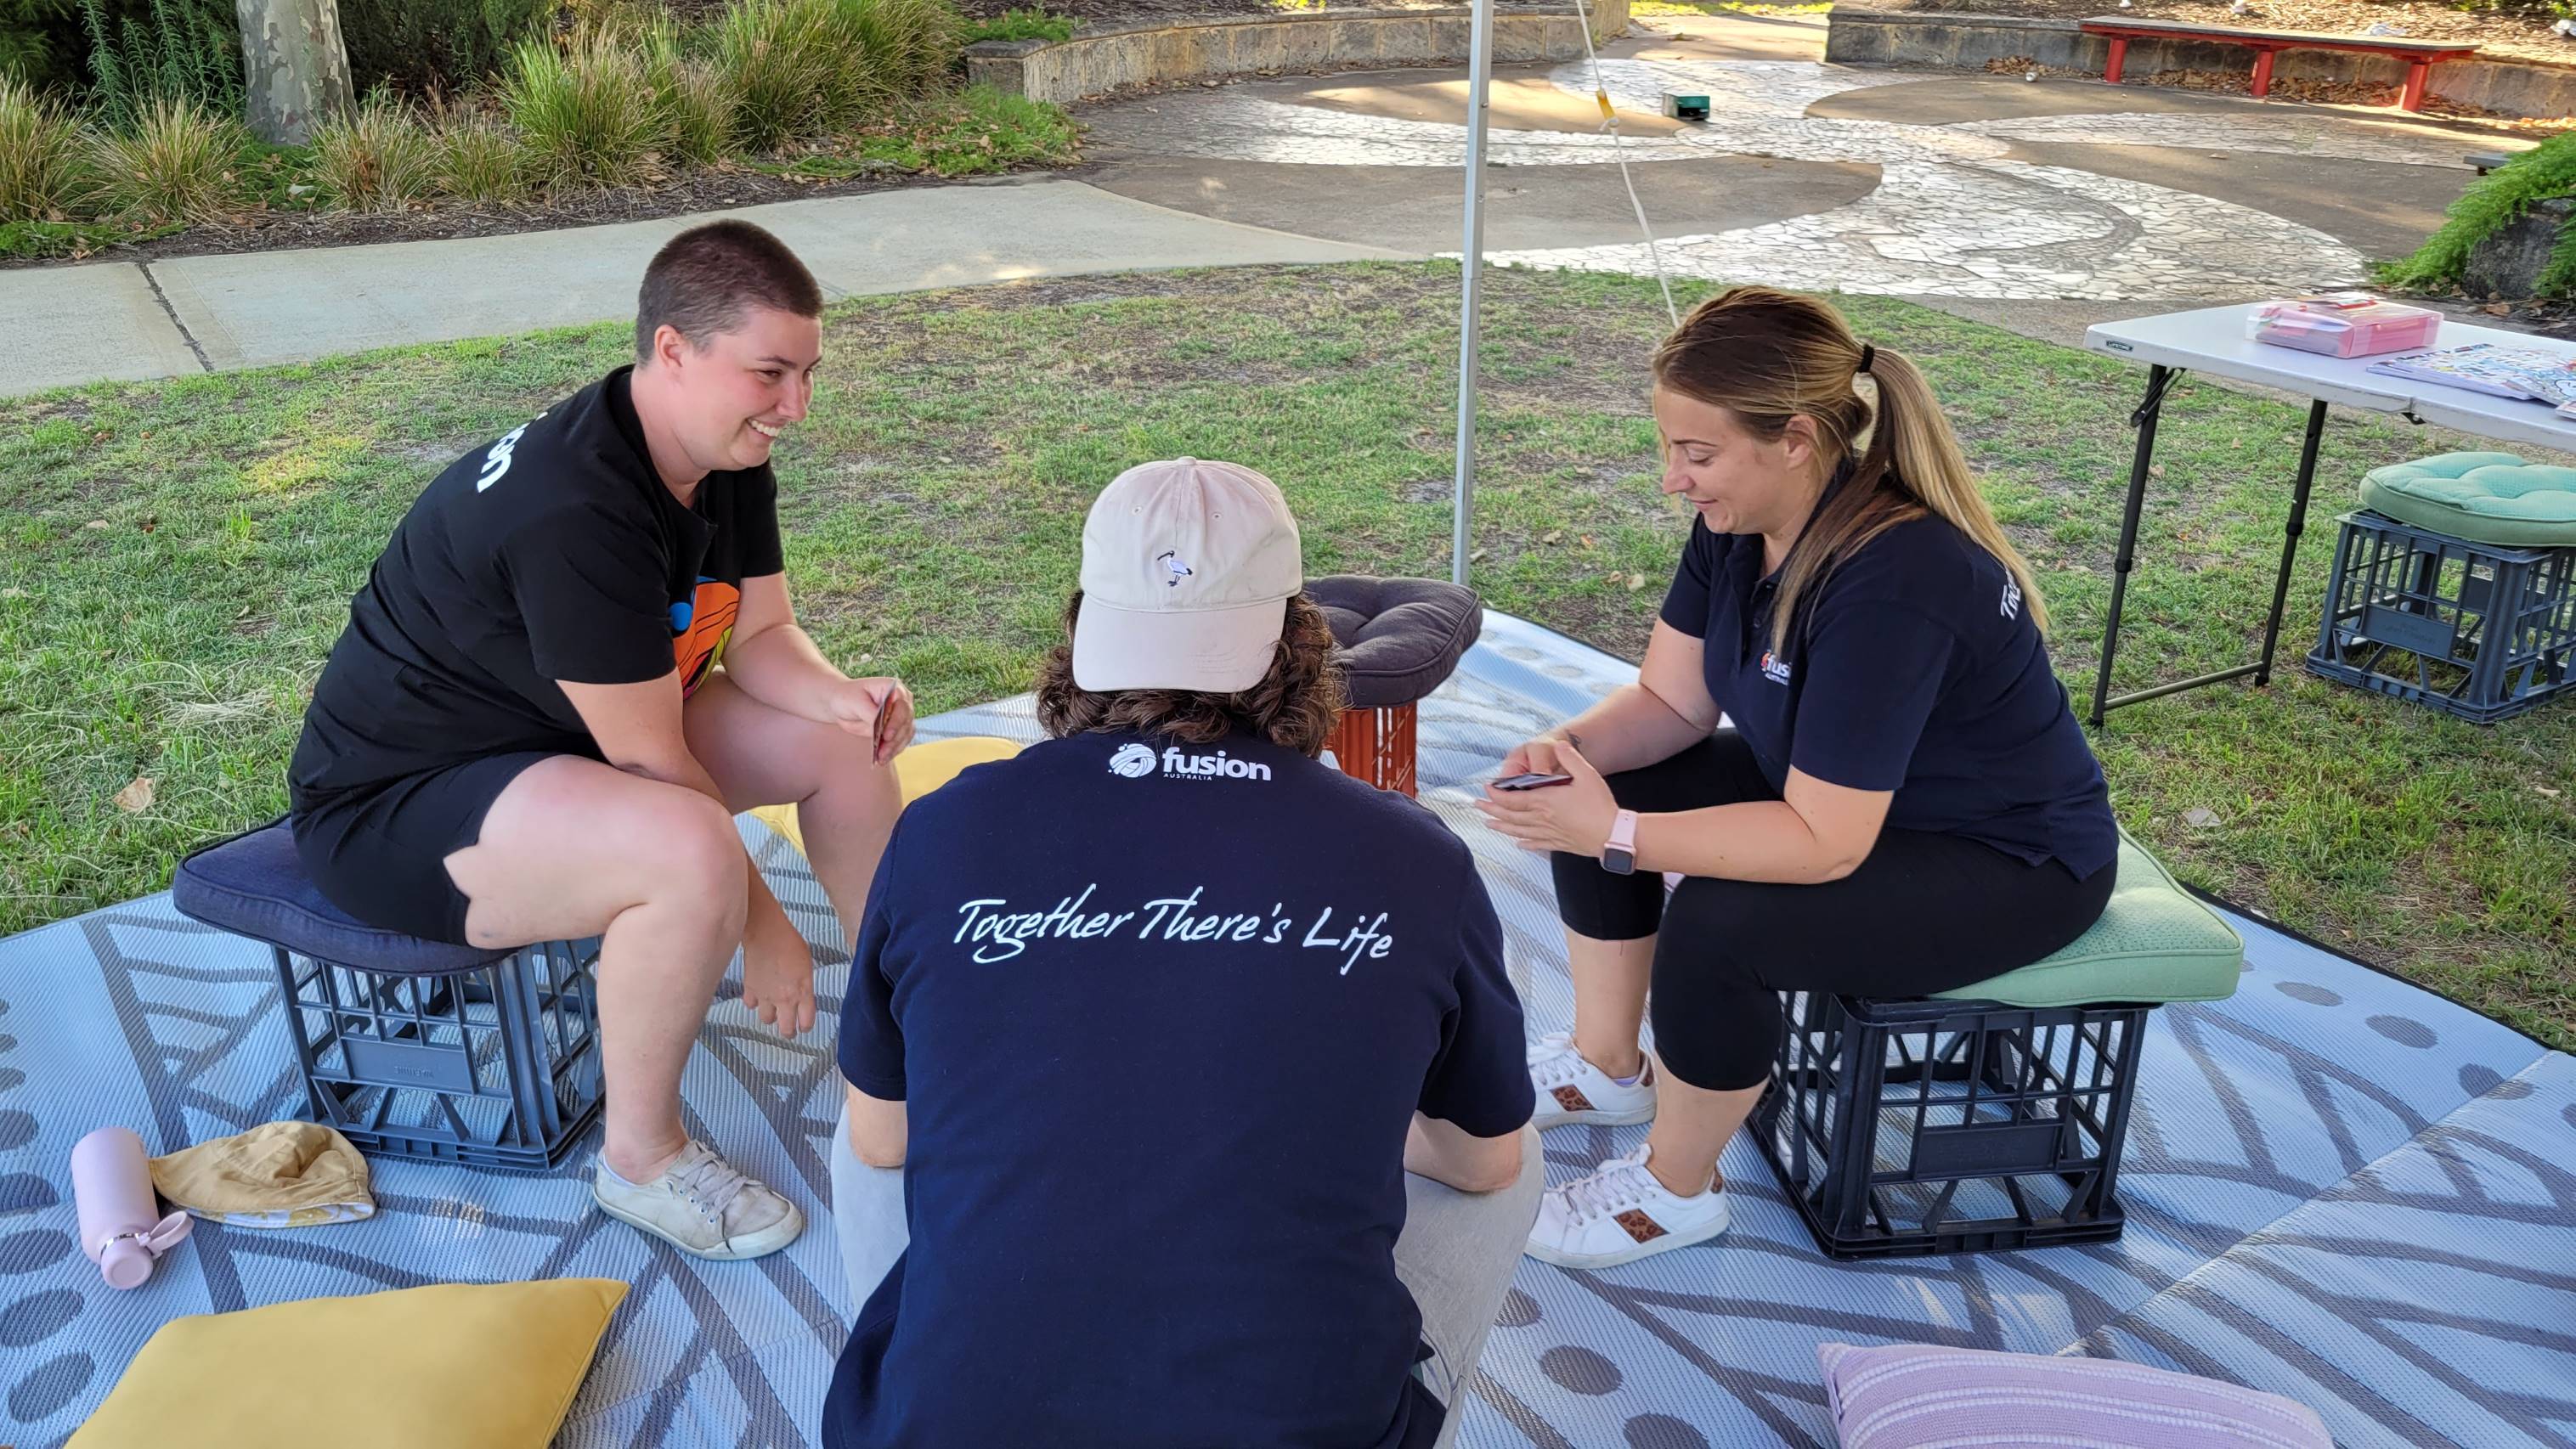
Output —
<point x="1571" y="1089"/>
<point x="702" y="1205"/>
<point x="1622" y="1213"/>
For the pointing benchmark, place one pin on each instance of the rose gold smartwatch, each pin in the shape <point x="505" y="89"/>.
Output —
<point x="1619" y="855"/>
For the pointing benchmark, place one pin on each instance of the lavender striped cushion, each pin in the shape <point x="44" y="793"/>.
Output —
<point x="1913" y="1396"/>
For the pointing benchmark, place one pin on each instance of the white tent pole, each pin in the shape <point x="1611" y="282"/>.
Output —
<point x="1471" y="258"/>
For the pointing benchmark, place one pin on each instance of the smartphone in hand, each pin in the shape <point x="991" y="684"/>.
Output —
<point x="1532" y="781"/>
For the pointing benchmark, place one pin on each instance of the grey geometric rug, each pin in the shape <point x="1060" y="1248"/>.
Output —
<point x="2338" y="1187"/>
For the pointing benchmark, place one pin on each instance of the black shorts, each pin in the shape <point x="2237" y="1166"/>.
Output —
<point x="380" y="852"/>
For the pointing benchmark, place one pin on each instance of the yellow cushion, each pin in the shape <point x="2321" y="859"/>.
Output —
<point x="452" y="1365"/>
<point x="920" y="769"/>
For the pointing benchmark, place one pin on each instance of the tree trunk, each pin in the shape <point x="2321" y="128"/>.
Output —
<point x="295" y="68"/>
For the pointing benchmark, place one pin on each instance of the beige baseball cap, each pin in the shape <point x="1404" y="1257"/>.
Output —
<point x="1187" y="570"/>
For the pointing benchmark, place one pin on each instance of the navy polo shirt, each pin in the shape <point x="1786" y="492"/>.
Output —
<point x="1918" y="671"/>
<point x="1161" y="1015"/>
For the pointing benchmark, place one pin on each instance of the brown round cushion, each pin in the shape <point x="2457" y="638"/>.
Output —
<point x="1399" y="638"/>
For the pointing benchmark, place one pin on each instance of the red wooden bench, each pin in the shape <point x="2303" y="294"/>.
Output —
<point x="2420" y="55"/>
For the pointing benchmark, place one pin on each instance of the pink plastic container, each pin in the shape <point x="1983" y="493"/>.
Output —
<point x="2343" y="324"/>
<point x="121" y="1225"/>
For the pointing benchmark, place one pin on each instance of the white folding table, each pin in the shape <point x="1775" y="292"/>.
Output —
<point x="2212" y="340"/>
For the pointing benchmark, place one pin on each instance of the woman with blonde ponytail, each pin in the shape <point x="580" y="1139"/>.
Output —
<point x="1899" y="800"/>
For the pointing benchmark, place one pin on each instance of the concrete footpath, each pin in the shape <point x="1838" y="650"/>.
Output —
<point x="130" y="320"/>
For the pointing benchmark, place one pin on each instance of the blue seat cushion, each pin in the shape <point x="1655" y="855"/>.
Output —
<point x="253" y="885"/>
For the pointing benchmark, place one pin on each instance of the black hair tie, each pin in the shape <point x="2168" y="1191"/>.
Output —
<point x="1868" y="354"/>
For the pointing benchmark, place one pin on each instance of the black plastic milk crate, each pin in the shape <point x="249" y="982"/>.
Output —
<point x="1913" y="1127"/>
<point x="2473" y="629"/>
<point x="496" y="1067"/>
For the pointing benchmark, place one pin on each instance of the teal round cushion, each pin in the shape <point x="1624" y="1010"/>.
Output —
<point x="2483" y="497"/>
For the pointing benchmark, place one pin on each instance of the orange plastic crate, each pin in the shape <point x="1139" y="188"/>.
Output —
<point x="1376" y="745"/>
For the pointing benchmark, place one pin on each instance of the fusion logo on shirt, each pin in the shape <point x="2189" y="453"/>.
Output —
<point x="1774" y="668"/>
<point x="2012" y="598"/>
<point x="1212" y="767"/>
<point x="1135" y="762"/>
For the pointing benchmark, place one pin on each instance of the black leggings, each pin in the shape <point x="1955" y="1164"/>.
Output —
<point x="1925" y="912"/>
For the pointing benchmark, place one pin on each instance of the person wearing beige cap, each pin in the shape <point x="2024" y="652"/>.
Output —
<point x="1188" y="1096"/>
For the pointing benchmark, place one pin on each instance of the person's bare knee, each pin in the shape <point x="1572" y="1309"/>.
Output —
<point x="698" y="876"/>
<point x="842" y="792"/>
<point x="851" y="795"/>
<point x="572" y="846"/>
<point x="760" y="755"/>
<point x="826" y="753"/>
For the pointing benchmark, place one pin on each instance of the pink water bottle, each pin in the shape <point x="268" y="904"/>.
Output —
<point x="120" y="1225"/>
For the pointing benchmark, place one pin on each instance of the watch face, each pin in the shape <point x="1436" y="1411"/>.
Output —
<point x="1618" y="862"/>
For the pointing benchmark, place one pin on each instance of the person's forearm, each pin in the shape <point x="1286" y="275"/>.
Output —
<point x="1759" y="840"/>
<point x="782" y="668"/>
<point x="1629" y="729"/>
<point x="672" y="764"/>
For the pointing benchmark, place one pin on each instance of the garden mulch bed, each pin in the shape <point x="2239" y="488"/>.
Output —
<point x="2503" y="35"/>
<point x="1111" y="12"/>
<point x="285" y="230"/>
<point x="279" y="230"/>
<point x="2540" y="318"/>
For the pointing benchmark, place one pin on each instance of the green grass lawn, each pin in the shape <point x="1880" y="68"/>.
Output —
<point x="178" y="557"/>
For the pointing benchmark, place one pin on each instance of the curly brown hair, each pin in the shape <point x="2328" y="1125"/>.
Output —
<point x="1295" y="705"/>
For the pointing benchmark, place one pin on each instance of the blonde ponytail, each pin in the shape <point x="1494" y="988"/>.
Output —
<point x="1917" y="442"/>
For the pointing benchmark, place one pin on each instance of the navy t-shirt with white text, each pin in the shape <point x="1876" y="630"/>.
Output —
<point x="1916" y="669"/>
<point x="1161" y="1014"/>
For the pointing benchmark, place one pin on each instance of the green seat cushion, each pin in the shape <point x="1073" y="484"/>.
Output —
<point x="2155" y="942"/>
<point x="2483" y="497"/>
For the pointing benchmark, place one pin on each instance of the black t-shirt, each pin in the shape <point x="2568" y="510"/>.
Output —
<point x="553" y="554"/>
<point x="1916" y="670"/>
<point x="1161" y="1015"/>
